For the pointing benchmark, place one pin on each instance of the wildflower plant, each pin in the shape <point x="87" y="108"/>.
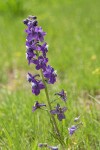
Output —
<point x="36" y="55"/>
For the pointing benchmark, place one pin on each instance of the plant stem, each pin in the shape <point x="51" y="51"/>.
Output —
<point x="49" y="104"/>
<point x="50" y="108"/>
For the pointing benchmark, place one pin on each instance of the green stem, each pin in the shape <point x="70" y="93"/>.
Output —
<point x="49" y="104"/>
<point x="50" y="108"/>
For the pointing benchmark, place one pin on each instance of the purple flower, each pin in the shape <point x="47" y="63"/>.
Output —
<point x="72" y="129"/>
<point x="30" y="19"/>
<point x="30" y="22"/>
<point x="30" y="54"/>
<point x="37" y="105"/>
<point x="37" y="85"/>
<point x="62" y="95"/>
<point x="50" y="74"/>
<point x="39" y="34"/>
<point x="30" y="34"/>
<point x="43" y="48"/>
<point x="59" y="111"/>
<point x="36" y="33"/>
<point x="31" y="78"/>
<point x="40" y="62"/>
<point x="31" y="44"/>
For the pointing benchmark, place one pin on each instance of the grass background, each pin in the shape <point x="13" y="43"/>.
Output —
<point x="73" y="35"/>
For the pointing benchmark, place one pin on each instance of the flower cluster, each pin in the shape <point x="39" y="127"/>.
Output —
<point x="36" y="54"/>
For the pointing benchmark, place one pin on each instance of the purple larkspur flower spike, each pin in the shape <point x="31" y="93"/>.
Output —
<point x="37" y="105"/>
<point x="50" y="74"/>
<point x="40" y="62"/>
<point x="72" y="129"/>
<point x="59" y="111"/>
<point x="62" y="95"/>
<point x="37" y="85"/>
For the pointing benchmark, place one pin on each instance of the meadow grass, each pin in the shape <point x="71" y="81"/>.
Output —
<point x="73" y="31"/>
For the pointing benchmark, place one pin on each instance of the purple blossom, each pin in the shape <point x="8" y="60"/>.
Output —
<point x="31" y="78"/>
<point x="37" y="105"/>
<point x="36" y="33"/>
<point x="59" y="111"/>
<point x="30" y="54"/>
<point x="37" y="85"/>
<point x="31" y="44"/>
<point x="30" y="34"/>
<point x="30" y="20"/>
<point x="50" y="74"/>
<point x="39" y="34"/>
<point x="72" y="129"/>
<point x="43" y="48"/>
<point x="40" y="62"/>
<point x="62" y="95"/>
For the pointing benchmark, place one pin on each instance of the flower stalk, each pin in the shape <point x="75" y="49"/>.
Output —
<point x="36" y="54"/>
<point x="50" y="108"/>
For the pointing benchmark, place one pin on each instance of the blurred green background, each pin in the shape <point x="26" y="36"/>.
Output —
<point x="73" y="35"/>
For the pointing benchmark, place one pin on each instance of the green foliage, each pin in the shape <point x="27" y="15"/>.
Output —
<point x="14" y="7"/>
<point x="73" y="36"/>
